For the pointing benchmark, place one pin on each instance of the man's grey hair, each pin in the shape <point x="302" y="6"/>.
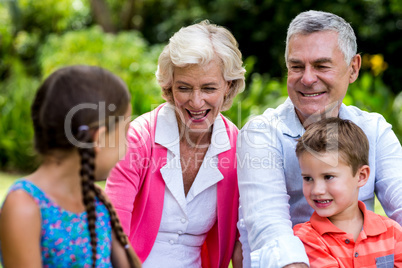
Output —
<point x="315" y="21"/>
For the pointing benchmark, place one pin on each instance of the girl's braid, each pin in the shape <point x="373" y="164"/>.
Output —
<point x="88" y="188"/>
<point x="117" y="228"/>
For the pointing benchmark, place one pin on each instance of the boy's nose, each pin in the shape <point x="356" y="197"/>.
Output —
<point x="318" y="188"/>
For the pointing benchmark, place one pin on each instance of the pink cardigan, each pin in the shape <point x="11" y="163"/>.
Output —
<point x="136" y="189"/>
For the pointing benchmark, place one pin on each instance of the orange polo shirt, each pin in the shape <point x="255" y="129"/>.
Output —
<point x="379" y="243"/>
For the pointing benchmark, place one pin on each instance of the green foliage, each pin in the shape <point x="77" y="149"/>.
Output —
<point x="37" y="37"/>
<point x="260" y="26"/>
<point x="16" y="95"/>
<point x="262" y="92"/>
<point x="6" y="39"/>
<point x="125" y="54"/>
<point x="56" y="16"/>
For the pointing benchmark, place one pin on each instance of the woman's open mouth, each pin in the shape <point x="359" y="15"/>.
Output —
<point x="198" y="115"/>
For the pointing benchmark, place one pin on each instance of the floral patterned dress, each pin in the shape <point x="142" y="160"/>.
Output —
<point x="65" y="239"/>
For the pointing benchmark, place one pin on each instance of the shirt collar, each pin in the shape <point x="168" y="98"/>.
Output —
<point x="292" y="125"/>
<point x="372" y="226"/>
<point x="167" y="132"/>
<point x="220" y="139"/>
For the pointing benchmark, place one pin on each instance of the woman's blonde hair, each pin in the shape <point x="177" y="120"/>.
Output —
<point x="200" y="44"/>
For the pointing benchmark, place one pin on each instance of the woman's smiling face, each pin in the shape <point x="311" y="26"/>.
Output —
<point x="198" y="94"/>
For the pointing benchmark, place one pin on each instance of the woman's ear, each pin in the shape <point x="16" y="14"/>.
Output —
<point x="364" y="173"/>
<point x="99" y="138"/>
<point x="230" y="83"/>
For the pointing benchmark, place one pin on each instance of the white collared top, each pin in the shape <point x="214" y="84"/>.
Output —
<point x="186" y="220"/>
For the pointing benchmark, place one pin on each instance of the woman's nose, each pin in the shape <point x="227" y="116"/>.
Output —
<point x="197" y="99"/>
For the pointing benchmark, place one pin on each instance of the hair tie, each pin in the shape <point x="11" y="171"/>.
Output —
<point x="83" y="128"/>
<point x="127" y="246"/>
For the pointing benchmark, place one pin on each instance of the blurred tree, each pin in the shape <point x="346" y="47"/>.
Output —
<point x="38" y="36"/>
<point x="260" y="26"/>
<point x="102" y="15"/>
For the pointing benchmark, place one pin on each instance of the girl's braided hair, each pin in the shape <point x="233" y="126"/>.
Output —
<point x="89" y="88"/>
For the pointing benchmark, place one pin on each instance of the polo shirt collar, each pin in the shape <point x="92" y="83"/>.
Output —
<point x="372" y="226"/>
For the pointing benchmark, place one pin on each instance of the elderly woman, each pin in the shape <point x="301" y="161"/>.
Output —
<point x="176" y="190"/>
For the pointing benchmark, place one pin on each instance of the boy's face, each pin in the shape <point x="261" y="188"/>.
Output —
<point x="329" y="186"/>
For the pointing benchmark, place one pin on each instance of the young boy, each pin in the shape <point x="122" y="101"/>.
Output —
<point x="333" y="157"/>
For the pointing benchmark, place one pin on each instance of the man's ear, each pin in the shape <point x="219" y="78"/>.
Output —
<point x="363" y="175"/>
<point x="99" y="138"/>
<point x="355" y="65"/>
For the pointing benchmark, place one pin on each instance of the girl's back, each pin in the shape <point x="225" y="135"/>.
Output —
<point x="65" y="237"/>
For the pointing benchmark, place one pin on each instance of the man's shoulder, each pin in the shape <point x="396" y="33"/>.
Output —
<point x="357" y="115"/>
<point x="272" y="117"/>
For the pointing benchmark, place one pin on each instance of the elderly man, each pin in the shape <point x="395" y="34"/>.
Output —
<point x="322" y="61"/>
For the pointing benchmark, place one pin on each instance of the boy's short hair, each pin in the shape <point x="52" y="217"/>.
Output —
<point x="335" y="134"/>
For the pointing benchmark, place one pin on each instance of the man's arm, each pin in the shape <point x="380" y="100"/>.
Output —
<point x="264" y="198"/>
<point x="388" y="174"/>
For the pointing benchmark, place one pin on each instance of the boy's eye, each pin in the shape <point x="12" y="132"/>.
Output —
<point x="307" y="179"/>
<point x="328" y="177"/>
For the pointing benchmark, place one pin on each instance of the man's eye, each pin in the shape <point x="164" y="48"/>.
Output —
<point x="296" y="68"/>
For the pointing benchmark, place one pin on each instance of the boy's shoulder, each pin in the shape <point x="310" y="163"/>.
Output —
<point x="304" y="229"/>
<point x="388" y="223"/>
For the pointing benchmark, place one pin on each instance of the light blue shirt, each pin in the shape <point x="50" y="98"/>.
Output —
<point x="270" y="182"/>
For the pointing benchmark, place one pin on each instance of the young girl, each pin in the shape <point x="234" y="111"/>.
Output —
<point x="57" y="216"/>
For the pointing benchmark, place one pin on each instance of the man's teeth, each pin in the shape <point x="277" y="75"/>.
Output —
<point x="311" y="95"/>
<point x="322" y="201"/>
